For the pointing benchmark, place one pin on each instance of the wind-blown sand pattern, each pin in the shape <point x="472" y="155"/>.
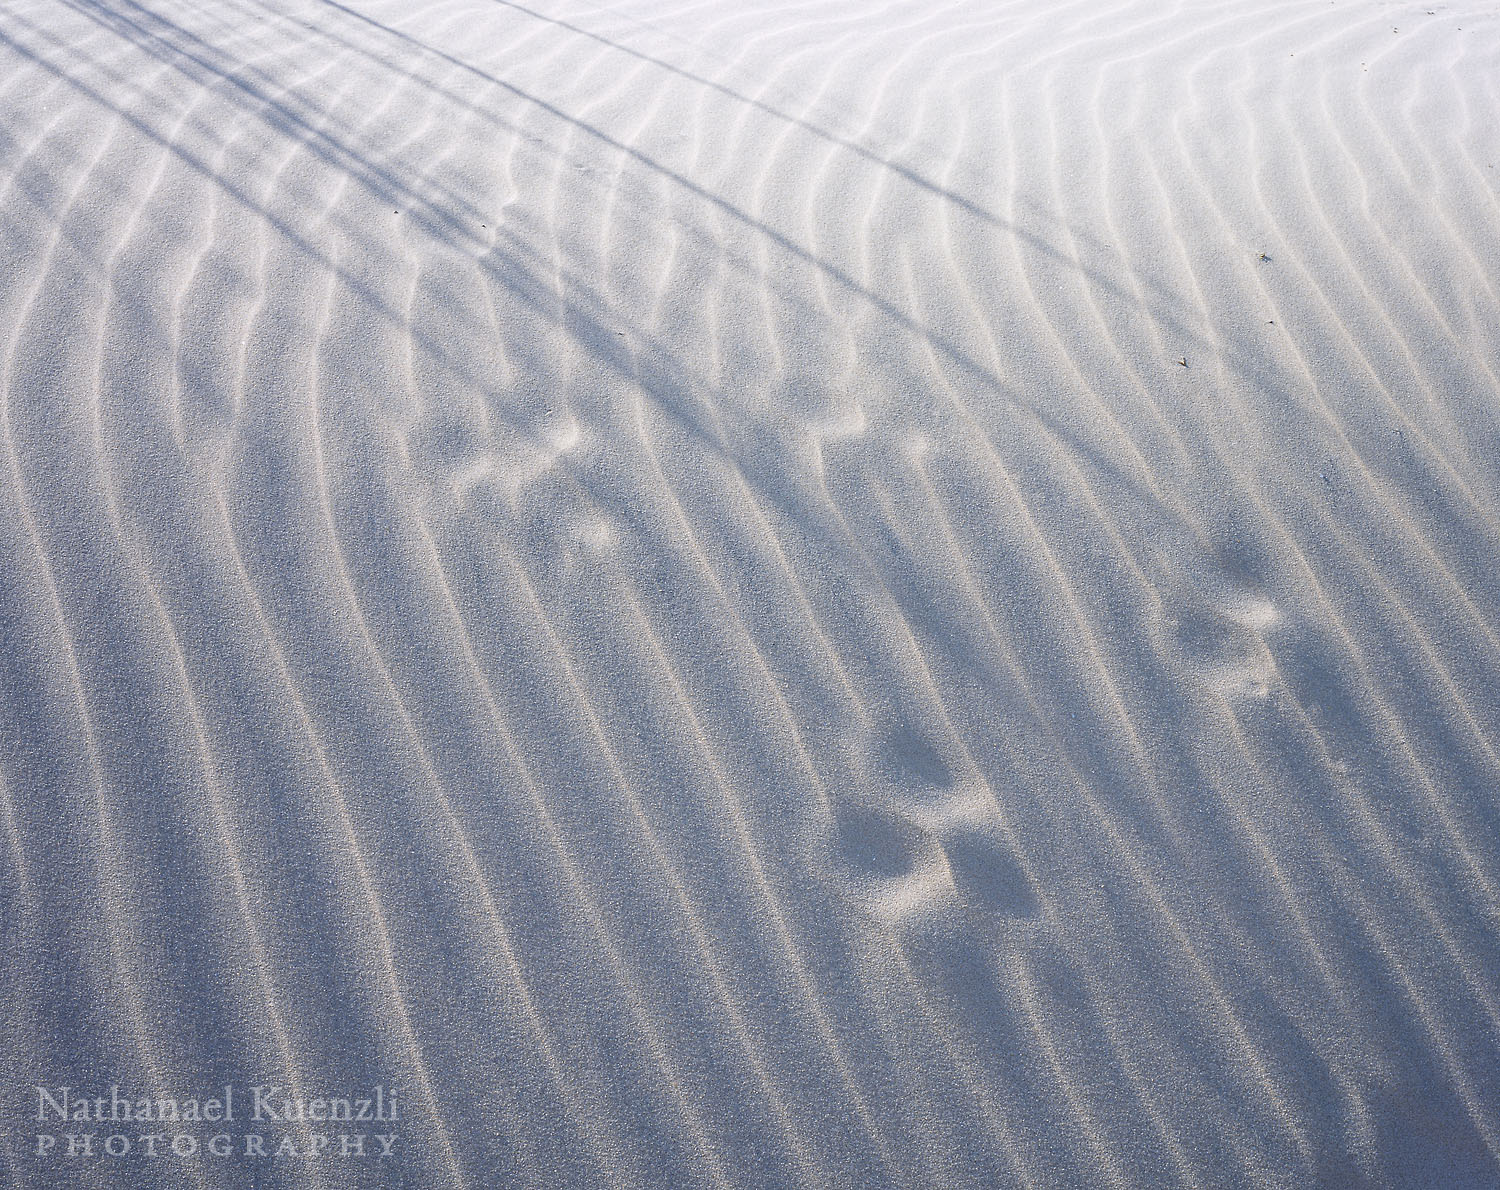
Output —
<point x="814" y="594"/>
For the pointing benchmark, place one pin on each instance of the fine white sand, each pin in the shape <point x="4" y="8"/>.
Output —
<point x="790" y="593"/>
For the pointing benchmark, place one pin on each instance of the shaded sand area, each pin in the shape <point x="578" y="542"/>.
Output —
<point x="794" y="594"/>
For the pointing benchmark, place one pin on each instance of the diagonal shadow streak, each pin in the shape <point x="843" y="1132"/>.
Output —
<point x="444" y="223"/>
<point x="655" y="371"/>
<point x="1237" y="357"/>
<point x="588" y="327"/>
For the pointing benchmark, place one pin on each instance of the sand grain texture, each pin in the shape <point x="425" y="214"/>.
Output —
<point x="749" y="595"/>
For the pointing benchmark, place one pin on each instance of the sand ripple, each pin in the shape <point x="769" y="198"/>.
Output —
<point x="815" y="594"/>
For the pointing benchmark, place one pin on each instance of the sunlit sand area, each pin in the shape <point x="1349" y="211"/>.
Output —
<point x="716" y="593"/>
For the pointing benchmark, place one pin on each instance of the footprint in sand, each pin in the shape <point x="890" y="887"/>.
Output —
<point x="1224" y="645"/>
<point x="470" y="465"/>
<point x="879" y="843"/>
<point x="911" y="762"/>
<point x="890" y="863"/>
<point x="989" y="906"/>
<point x="988" y="877"/>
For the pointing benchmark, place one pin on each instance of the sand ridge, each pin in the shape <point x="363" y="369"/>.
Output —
<point x="748" y="595"/>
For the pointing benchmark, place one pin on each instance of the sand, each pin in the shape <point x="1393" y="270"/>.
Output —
<point x="772" y="594"/>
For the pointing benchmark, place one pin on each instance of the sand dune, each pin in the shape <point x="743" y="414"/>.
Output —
<point x="779" y="595"/>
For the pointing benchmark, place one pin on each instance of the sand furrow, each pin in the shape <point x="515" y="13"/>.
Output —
<point x="794" y="593"/>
